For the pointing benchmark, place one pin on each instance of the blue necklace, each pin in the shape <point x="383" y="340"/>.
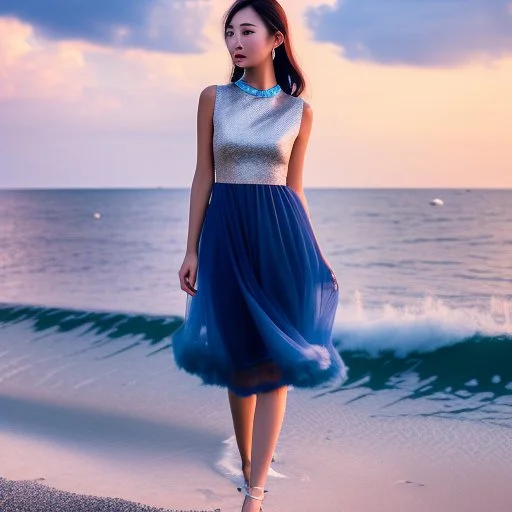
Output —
<point x="267" y="93"/>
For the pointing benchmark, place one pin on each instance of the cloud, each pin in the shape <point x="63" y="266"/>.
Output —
<point x="55" y="85"/>
<point x="419" y="32"/>
<point x="160" y="25"/>
<point x="31" y="70"/>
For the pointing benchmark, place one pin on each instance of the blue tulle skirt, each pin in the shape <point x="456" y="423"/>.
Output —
<point x="266" y="299"/>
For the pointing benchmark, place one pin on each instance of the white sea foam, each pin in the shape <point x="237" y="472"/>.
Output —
<point x="422" y="327"/>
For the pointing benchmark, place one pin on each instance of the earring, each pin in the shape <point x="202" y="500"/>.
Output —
<point x="273" y="53"/>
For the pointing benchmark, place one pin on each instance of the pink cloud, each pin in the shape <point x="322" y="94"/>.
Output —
<point x="31" y="70"/>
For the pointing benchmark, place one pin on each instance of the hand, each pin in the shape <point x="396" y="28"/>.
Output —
<point x="188" y="273"/>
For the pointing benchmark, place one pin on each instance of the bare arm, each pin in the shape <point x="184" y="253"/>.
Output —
<point x="201" y="186"/>
<point x="295" y="174"/>
<point x="204" y="175"/>
<point x="296" y="163"/>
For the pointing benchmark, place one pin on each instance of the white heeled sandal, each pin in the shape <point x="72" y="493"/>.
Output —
<point x="245" y="488"/>
<point x="247" y="493"/>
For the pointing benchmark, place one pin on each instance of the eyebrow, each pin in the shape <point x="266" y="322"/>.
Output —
<point x="243" y="25"/>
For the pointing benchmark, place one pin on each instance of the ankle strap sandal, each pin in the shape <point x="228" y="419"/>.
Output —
<point x="247" y="493"/>
<point x="245" y="488"/>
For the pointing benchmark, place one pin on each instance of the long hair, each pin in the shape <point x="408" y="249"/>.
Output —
<point x="288" y="73"/>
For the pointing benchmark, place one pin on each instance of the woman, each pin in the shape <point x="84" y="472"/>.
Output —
<point x="260" y="318"/>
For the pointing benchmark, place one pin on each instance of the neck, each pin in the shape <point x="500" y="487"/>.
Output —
<point x="260" y="79"/>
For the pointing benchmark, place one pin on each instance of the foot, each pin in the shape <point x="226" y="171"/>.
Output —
<point x="246" y="470"/>
<point x="253" y="497"/>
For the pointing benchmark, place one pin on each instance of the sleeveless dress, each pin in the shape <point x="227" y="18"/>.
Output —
<point x="266" y="299"/>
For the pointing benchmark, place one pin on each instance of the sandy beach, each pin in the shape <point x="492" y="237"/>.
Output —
<point x="132" y="427"/>
<point x="366" y="465"/>
<point x="31" y="496"/>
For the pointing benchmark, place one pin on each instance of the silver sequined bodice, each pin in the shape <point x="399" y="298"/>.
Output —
<point x="253" y="136"/>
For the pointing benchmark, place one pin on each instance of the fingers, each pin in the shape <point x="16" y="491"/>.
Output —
<point x="192" y="278"/>
<point x="190" y="286"/>
<point x="185" y="283"/>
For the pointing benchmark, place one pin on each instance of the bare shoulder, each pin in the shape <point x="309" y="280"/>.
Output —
<point x="208" y="92"/>
<point x="307" y="109"/>
<point x="206" y="104"/>
<point x="207" y="95"/>
<point x="307" y="118"/>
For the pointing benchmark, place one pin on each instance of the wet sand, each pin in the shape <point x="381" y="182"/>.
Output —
<point x="84" y="432"/>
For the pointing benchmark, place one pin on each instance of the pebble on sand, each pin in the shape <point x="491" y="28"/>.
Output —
<point x="31" y="496"/>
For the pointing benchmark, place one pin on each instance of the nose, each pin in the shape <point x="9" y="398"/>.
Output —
<point x="238" y="46"/>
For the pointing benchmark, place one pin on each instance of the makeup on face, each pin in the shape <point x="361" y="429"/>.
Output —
<point x="245" y="37"/>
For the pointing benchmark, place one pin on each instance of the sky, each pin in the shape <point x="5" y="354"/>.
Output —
<point x="405" y="93"/>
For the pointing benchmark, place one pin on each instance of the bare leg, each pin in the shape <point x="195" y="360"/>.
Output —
<point x="268" y="419"/>
<point x="242" y="410"/>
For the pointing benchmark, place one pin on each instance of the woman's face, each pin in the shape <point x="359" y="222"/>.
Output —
<point x="248" y="35"/>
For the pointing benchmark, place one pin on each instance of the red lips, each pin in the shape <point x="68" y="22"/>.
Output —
<point x="239" y="55"/>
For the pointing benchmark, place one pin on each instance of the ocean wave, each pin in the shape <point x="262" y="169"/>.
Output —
<point x="423" y="355"/>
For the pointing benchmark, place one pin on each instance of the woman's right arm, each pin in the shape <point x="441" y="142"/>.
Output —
<point x="201" y="187"/>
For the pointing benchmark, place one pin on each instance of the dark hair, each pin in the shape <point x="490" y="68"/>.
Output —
<point x="288" y="73"/>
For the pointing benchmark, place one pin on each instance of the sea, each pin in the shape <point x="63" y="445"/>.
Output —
<point x="424" y="321"/>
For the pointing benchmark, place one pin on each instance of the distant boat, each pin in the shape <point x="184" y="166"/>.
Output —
<point x="436" y="202"/>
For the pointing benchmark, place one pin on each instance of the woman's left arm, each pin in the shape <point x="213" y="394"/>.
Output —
<point x="296" y="163"/>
